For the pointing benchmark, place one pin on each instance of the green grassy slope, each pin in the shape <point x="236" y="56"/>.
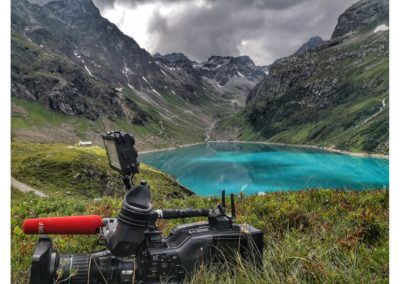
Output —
<point x="310" y="236"/>
<point x="31" y="121"/>
<point x="64" y="170"/>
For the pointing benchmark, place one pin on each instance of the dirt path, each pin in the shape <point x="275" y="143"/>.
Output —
<point x="209" y="130"/>
<point x="375" y="114"/>
<point x="25" y="188"/>
<point x="162" y="128"/>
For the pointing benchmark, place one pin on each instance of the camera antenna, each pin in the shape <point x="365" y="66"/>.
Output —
<point x="223" y="198"/>
<point x="233" y="211"/>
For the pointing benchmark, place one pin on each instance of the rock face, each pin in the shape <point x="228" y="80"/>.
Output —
<point x="75" y="29"/>
<point x="311" y="43"/>
<point x="363" y="14"/>
<point x="181" y="67"/>
<point x="62" y="86"/>
<point x="333" y="95"/>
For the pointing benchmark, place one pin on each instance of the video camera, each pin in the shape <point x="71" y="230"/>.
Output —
<point x="135" y="249"/>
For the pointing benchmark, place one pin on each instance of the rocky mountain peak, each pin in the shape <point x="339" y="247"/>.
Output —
<point x="174" y="58"/>
<point x="74" y="4"/>
<point x="363" y="14"/>
<point x="215" y="62"/>
<point x="242" y="60"/>
<point x="224" y="69"/>
<point x="311" y="43"/>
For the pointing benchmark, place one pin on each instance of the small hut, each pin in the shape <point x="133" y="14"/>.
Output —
<point x="85" y="143"/>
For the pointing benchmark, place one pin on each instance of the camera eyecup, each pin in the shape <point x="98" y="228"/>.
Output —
<point x="133" y="221"/>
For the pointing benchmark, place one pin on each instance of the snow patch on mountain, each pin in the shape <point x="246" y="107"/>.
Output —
<point x="144" y="79"/>
<point x="241" y="75"/>
<point x="155" y="91"/>
<point x="381" y="28"/>
<point x="87" y="69"/>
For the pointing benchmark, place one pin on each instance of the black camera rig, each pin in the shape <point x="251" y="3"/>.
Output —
<point x="135" y="250"/>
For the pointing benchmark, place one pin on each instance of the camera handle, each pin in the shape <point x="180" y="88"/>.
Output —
<point x="198" y="212"/>
<point x="181" y="213"/>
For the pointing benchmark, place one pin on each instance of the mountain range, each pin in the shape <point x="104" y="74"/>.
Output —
<point x="74" y="66"/>
<point x="75" y="75"/>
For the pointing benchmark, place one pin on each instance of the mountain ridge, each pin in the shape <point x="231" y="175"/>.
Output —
<point x="333" y="95"/>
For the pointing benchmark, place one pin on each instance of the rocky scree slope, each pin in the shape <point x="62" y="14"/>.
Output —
<point x="334" y="95"/>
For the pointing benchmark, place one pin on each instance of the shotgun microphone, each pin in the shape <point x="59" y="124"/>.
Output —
<point x="70" y="225"/>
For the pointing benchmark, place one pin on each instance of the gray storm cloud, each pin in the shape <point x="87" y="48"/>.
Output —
<point x="264" y="30"/>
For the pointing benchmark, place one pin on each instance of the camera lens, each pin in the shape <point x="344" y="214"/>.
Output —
<point x="74" y="266"/>
<point x="49" y="267"/>
<point x="91" y="268"/>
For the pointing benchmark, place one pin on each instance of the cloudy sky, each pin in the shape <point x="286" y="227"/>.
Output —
<point x="263" y="29"/>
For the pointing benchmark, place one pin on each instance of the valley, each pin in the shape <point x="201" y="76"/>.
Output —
<point x="80" y="86"/>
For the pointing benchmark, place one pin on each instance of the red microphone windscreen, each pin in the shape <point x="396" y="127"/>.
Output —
<point x="72" y="225"/>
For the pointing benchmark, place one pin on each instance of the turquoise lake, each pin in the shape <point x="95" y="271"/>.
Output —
<point x="254" y="168"/>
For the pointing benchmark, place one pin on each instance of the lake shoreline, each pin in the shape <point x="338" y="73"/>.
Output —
<point x="328" y="149"/>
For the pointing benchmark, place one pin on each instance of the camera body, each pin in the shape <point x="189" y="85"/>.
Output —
<point x="135" y="249"/>
<point x="191" y="246"/>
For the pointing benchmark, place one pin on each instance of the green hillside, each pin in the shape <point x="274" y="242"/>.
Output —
<point x="67" y="171"/>
<point x="336" y="95"/>
<point x="312" y="236"/>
